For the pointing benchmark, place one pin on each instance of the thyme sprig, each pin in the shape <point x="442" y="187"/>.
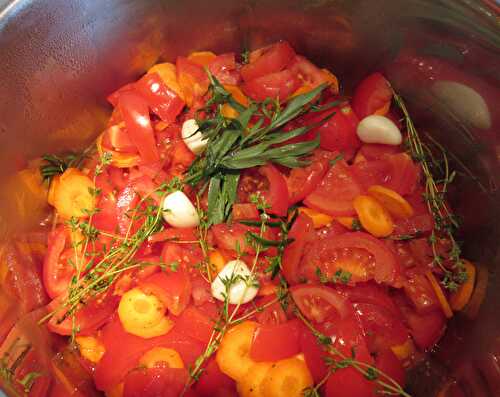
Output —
<point x="445" y="222"/>
<point x="252" y="139"/>
<point x="57" y="164"/>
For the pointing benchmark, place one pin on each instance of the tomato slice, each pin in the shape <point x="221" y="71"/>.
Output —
<point x="314" y="355"/>
<point x="245" y="211"/>
<point x="173" y="289"/>
<point x="135" y="113"/>
<point x="194" y="323"/>
<point x="213" y="382"/>
<point x="405" y="174"/>
<point x="279" y="85"/>
<point x="272" y="314"/>
<point x="420" y="292"/>
<point x="348" y="382"/>
<point x="276" y="342"/>
<point x="106" y="217"/>
<point x="375" y="151"/>
<point x="176" y="234"/>
<point x="162" y="100"/>
<point x="318" y="302"/>
<point x="336" y="192"/>
<point x="301" y="232"/>
<point x="371" y="95"/>
<point x="303" y="180"/>
<point x="57" y="272"/>
<point x="233" y="237"/>
<point x="155" y="382"/>
<point x="126" y="202"/>
<point x="223" y="67"/>
<point x="271" y="59"/>
<point x="183" y="255"/>
<point x="309" y="73"/>
<point x="277" y="195"/>
<point x="374" y="172"/>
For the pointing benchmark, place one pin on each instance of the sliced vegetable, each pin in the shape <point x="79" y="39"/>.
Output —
<point x="90" y="348"/>
<point x="161" y="357"/>
<point x="250" y="384"/>
<point x="445" y="306"/>
<point x="287" y="378"/>
<point x="373" y="217"/>
<point x="73" y="194"/>
<point x="373" y="95"/>
<point x="392" y="201"/>
<point x="276" y="342"/>
<point x="460" y="298"/>
<point x="319" y="219"/>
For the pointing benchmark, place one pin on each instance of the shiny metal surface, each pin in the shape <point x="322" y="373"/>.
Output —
<point x="59" y="59"/>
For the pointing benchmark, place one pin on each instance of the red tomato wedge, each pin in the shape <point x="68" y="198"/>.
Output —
<point x="348" y="382"/>
<point x="106" y="218"/>
<point x="56" y="273"/>
<point x="336" y="192"/>
<point x="135" y="113"/>
<point x="420" y="292"/>
<point x="371" y="95"/>
<point x="271" y="59"/>
<point x="318" y="302"/>
<point x="276" y="342"/>
<point x="214" y="383"/>
<point x="162" y="100"/>
<point x="272" y="314"/>
<point x="245" y="211"/>
<point x="303" y="180"/>
<point x="314" y="355"/>
<point x="194" y="323"/>
<point x="277" y="195"/>
<point x="173" y="289"/>
<point x="126" y="202"/>
<point x="309" y="73"/>
<point x="223" y="67"/>
<point x="301" y="232"/>
<point x="279" y="85"/>
<point x="233" y="237"/>
<point x="360" y="254"/>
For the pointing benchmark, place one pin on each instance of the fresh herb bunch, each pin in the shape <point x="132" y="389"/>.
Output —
<point x="237" y="144"/>
<point x="445" y="222"/>
<point x="56" y="165"/>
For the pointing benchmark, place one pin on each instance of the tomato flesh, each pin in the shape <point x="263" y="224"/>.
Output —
<point x="279" y="85"/>
<point x="318" y="302"/>
<point x="269" y="60"/>
<point x="276" y="342"/>
<point x="371" y="94"/>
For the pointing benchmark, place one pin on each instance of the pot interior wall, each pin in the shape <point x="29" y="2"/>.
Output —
<point x="59" y="59"/>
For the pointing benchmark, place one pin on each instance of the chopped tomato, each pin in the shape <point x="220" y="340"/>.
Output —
<point x="155" y="382"/>
<point x="303" y="180"/>
<point x="245" y="211"/>
<point x="272" y="342"/>
<point x="405" y="174"/>
<point x="194" y="323"/>
<point x="135" y="113"/>
<point x="372" y="95"/>
<point x="192" y="79"/>
<point x="233" y="237"/>
<point x="214" y="383"/>
<point x="173" y="289"/>
<point x="57" y="272"/>
<point x="336" y="192"/>
<point x="419" y="290"/>
<point x="318" y="302"/>
<point x="372" y="172"/>
<point x="224" y="69"/>
<point x="116" y="138"/>
<point x="375" y="151"/>
<point x="277" y="195"/>
<point x="88" y="318"/>
<point x="175" y="234"/>
<point x="115" y="96"/>
<point x="105" y="218"/>
<point x="314" y="355"/>
<point x="360" y="254"/>
<point x="348" y="382"/>
<point x="371" y="293"/>
<point x="272" y="313"/>
<point x="183" y="255"/>
<point x="309" y="73"/>
<point x="279" y="85"/>
<point x="387" y="363"/>
<point x="271" y="59"/>
<point x="162" y="100"/>
<point x="301" y="232"/>
<point x="126" y="203"/>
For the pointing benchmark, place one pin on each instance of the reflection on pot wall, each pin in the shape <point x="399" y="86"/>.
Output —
<point x="61" y="58"/>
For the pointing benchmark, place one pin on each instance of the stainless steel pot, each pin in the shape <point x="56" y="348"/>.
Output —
<point x="60" y="58"/>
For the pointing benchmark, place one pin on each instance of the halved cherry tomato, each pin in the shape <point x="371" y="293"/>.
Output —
<point x="173" y="289"/>
<point x="277" y="195"/>
<point x="223" y="67"/>
<point x="303" y="180"/>
<point x="301" y="232"/>
<point x="276" y="342"/>
<point x="57" y="273"/>
<point x="135" y="113"/>
<point x="336" y="192"/>
<point x="162" y="100"/>
<point x="264" y="61"/>
<point x="155" y="382"/>
<point x="279" y="85"/>
<point x="373" y="94"/>
<point x="318" y="302"/>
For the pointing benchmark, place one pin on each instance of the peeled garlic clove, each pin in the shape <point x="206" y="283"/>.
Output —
<point x="465" y="102"/>
<point x="236" y="282"/>
<point x="379" y="129"/>
<point x="178" y="211"/>
<point x="192" y="137"/>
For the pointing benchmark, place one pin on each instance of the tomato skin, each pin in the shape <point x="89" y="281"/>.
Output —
<point x="303" y="180"/>
<point x="336" y="192"/>
<point x="301" y="231"/>
<point x="270" y="60"/>
<point x="371" y="94"/>
<point x="135" y="113"/>
<point x="277" y="195"/>
<point x="173" y="289"/>
<point x="223" y="67"/>
<point x="162" y="100"/>
<point x="106" y="218"/>
<point x="56" y="275"/>
<point x="318" y="302"/>
<point x="275" y="85"/>
<point x="276" y="342"/>
<point x="116" y="138"/>
<point x="371" y="293"/>
<point x="194" y="323"/>
<point x="155" y="382"/>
